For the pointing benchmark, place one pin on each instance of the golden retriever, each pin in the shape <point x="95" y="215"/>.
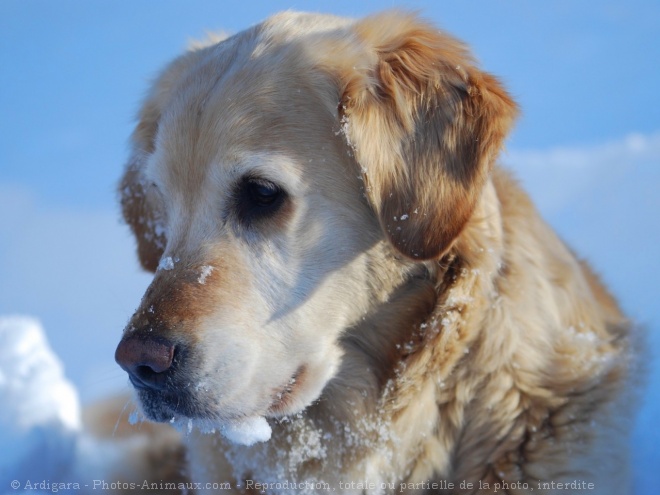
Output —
<point x="339" y="258"/>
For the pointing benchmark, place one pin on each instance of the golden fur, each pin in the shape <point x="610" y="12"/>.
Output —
<point x="406" y="317"/>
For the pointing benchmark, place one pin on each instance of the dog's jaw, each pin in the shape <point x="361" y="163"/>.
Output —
<point x="304" y="387"/>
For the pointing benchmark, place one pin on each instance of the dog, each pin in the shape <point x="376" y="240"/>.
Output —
<point x="340" y="261"/>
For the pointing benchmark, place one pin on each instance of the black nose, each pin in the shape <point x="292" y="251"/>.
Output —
<point x="146" y="359"/>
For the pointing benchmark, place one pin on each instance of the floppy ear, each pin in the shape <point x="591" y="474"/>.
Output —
<point x="425" y="126"/>
<point x="140" y="202"/>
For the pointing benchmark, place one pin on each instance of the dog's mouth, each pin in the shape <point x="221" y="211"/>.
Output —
<point x="174" y="404"/>
<point x="165" y="406"/>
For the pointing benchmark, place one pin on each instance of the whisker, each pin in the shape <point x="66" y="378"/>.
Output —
<point x="121" y="413"/>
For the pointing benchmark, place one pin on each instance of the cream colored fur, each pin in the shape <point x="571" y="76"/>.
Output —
<point x="435" y="327"/>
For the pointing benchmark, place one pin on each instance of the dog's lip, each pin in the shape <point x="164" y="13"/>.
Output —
<point x="283" y="396"/>
<point x="165" y="406"/>
<point x="140" y="385"/>
<point x="168" y="413"/>
<point x="173" y="403"/>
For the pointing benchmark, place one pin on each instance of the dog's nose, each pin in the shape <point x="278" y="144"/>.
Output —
<point x="146" y="359"/>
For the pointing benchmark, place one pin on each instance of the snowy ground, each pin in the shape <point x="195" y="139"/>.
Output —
<point x="40" y="414"/>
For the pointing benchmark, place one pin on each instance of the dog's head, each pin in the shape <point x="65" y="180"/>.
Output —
<point x="271" y="174"/>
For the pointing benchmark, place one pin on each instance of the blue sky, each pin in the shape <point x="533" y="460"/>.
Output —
<point x="74" y="71"/>
<point x="587" y="146"/>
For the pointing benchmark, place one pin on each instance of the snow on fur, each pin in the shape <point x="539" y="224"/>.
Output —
<point x="248" y="431"/>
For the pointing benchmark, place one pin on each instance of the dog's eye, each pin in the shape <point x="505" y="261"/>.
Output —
<point x="263" y="193"/>
<point x="258" y="198"/>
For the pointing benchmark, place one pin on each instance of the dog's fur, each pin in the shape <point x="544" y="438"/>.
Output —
<point x="404" y="315"/>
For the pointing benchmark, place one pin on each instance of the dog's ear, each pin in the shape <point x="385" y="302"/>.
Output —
<point x="140" y="201"/>
<point x="425" y="126"/>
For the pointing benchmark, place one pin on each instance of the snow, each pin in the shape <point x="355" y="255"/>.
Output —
<point x="133" y="418"/>
<point x="40" y="414"/>
<point x="247" y="431"/>
<point x="167" y="263"/>
<point x="205" y="272"/>
<point x="42" y="440"/>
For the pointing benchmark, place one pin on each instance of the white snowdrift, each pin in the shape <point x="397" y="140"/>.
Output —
<point x="40" y="414"/>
